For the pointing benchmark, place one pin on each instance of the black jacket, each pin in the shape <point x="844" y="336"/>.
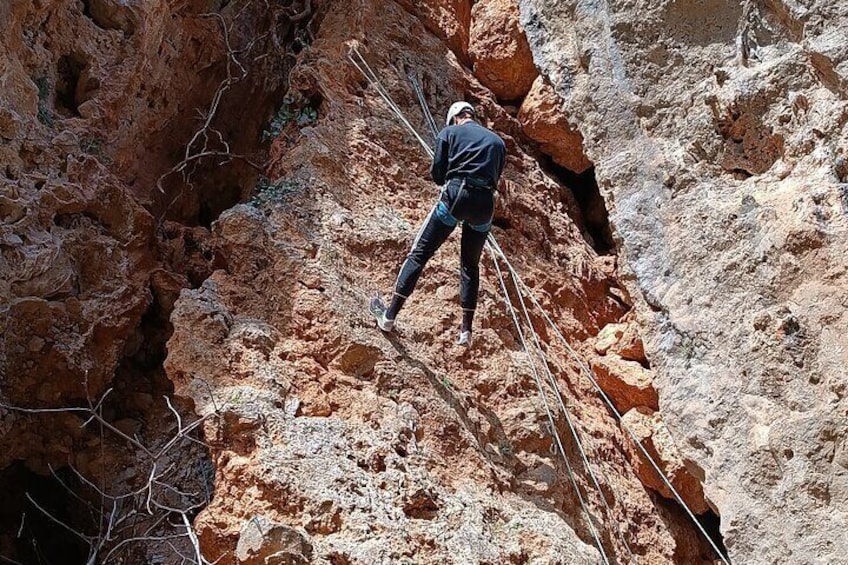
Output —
<point x="468" y="150"/>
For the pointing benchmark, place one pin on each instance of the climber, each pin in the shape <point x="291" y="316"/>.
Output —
<point x="468" y="163"/>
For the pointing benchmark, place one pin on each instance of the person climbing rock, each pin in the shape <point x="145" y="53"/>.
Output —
<point x="468" y="163"/>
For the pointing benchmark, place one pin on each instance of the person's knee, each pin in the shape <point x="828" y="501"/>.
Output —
<point x="483" y="228"/>
<point x="420" y="256"/>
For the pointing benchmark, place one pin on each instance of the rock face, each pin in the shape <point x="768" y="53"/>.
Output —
<point x="370" y="448"/>
<point x="131" y="139"/>
<point x="499" y="50"/>
<point x="542" y="119"/>
<point x="717" y="136"/>
<point x="448" y="19"/>
<point x="76" y="249"/>
<point x="98" y="100"/>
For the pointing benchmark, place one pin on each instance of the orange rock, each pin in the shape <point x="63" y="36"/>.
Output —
<point x="627" y="383"/>
<point x="543" y="120"/>
<point x="448" y="19"/>
<point x="649" y="427"/>
<point x="622" y="340"/>
<point x="499" y="50"/>
<point x="608" y="337"/>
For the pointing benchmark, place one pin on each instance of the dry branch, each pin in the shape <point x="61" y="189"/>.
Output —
<point x="118" y="513"/>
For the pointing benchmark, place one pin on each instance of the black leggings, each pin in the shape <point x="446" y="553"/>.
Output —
<point x="475" y="208"/>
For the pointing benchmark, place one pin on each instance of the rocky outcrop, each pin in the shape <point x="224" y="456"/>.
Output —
<point x="499" y="50"/>
<point x="100" y="99"/>
<point x="76" y="249"/>
<point x="715" y="136"/>
<point x="542" y="120"/>
<point x="374" y="448"/>
<point x="648" y="427"/>
<point x="447" y="19"/>
<point x="627" y="383"/>
<point x="622" y="339"/>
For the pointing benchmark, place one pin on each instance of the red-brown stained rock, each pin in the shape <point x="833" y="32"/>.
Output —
<point x="621" y="339"/>
<point x="648" y="426"/>
<point x="543" y="120"/>
<point x="499" y="50"/>
<point x="627" y="383"/>
<point x="448" y="19"/>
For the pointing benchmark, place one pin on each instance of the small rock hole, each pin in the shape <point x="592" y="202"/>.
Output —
<point x="68" y="72"/>
<point x="712" y="524"/>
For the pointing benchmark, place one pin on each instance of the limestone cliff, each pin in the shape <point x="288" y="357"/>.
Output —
<point x="718" y="133"/>
<point x="199" y="197"/>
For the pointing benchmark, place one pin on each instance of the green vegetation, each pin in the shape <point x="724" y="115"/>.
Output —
<point x="505" y="448"/>
<point x="45" y="116"/>
<point x="289" y="114"/>
<point x="267" y="192"/>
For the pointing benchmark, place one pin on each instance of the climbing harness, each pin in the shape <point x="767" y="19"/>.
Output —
<point x="522" y="289"/>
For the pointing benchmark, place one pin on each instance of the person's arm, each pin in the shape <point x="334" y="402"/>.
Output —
<point x="440" y="159"/>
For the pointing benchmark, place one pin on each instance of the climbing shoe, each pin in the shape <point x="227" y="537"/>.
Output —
<point x="378" y="310"/>
<point x="464" y="339"/>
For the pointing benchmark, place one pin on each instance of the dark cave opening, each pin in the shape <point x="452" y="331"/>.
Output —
<point x="711" y="522"/>
<point x="692" y="546"/>
<point x="27" y="534"/>
<point x="593" y="210"/>
<point x="235" y="141"/>
<point x="68" y="71"/>
<point x="86" y="8"/>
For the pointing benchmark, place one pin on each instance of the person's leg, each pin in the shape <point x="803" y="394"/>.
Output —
<point x="436" y="229"/>
<point x="473" y="241"/>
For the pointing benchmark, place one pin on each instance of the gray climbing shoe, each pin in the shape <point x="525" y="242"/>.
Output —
<point x="464" y="339"/>
<point x="378" y="309"/>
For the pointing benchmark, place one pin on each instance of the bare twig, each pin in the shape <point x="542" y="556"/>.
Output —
<point x="114" y="520"/>
<point x="138" y="539"/>
<point x="194" y="541"/>
<point x="83" y="537"/>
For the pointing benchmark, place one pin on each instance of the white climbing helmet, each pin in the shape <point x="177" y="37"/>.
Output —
<point x="457" y="108"/>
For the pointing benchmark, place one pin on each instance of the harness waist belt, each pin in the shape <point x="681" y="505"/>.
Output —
<point x="476" y="182"/>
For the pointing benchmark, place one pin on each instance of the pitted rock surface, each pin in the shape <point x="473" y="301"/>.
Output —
<point x="716" y="130"/>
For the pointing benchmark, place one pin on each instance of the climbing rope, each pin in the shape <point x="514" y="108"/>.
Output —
<point x="589" y="375"/>
<point x="551" y="421"/>
<point x="363" y="67"/>
<point x="572" y="428"/>
<point x="425" y="109"/>
<point x="361" y="64"/>
<point x="496" y="251"/>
